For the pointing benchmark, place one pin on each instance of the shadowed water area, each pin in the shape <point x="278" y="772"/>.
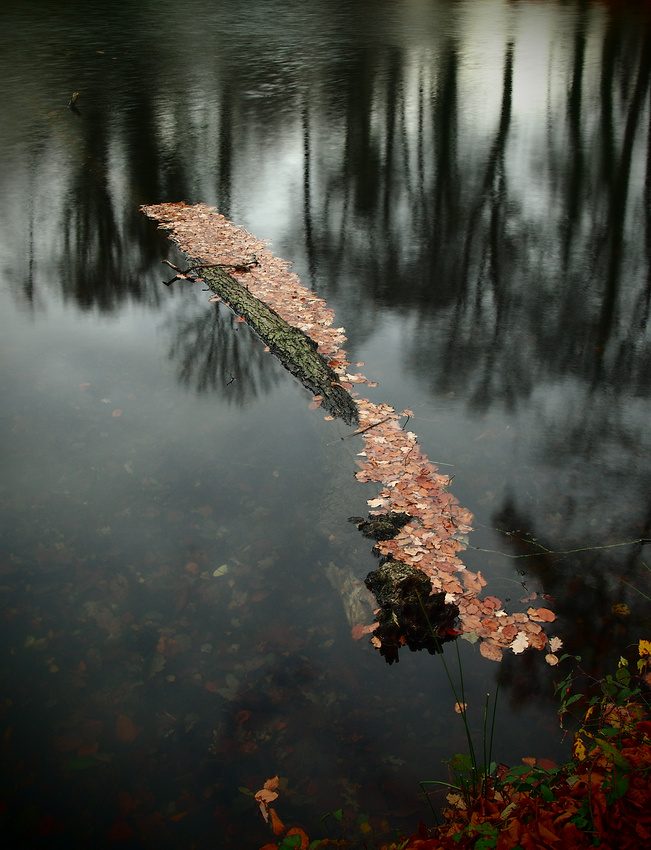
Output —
<point x="467" y="185"/>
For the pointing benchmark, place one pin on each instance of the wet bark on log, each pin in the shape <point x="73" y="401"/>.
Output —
<point x="408" y="613"/>
<point x="294" y="348"/>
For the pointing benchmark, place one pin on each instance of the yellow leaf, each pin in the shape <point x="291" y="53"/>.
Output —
<point x="578" y="750"/>
<point x="644" y="647"/>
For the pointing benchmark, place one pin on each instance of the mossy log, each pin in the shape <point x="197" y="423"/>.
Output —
<point x="408" y="613"/>
<point x="294" y="348"/>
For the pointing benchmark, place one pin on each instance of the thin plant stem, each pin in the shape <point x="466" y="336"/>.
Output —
<point x="426" y="793"/>
<point x="636" y="589"/>
<point x="460" y="702"/>
<point x="492" y="735"/>
<point x="486" y="762"/>
<point x="480" y="778"/>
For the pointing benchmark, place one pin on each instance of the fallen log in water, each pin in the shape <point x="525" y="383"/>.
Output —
<point x="293" y="347"/>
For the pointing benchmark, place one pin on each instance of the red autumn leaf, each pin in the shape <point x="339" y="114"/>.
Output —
<point x="119" y="831"/>
<point x="357" y="631"/>
<point x="510" y="631"/>
<point x="48" y="825"/>
<point x="240" y="319"/>
<point x="242" y="716"/>
<point x="543" y="615"/>
<point x="360" y="630"/>
<point x="490" y="650"/>
<point x="126" y="730"/>
<point x="277" y="825"/>
<point x="305" y="841"/>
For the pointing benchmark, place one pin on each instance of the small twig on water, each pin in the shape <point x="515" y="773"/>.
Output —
<point x="361" y="430"/>
<point x="246" y="266"/>
<point x="543" y="549"/>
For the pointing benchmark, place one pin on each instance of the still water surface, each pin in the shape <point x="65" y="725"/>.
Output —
<point x="467" y="184"/>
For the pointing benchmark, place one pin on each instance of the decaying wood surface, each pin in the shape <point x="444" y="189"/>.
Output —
<point x="293" y="348"/>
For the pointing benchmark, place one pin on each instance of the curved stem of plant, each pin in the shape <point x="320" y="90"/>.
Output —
<point x="479" y="773"/>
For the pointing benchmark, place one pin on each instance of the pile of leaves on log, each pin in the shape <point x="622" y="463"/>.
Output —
<point x="600" y="798"/>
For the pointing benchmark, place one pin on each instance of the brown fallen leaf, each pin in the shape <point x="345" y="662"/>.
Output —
<point x="543" y="615"/>
<point x="264" y="795"/>
<point x="277" y="825"/>
<point x="126" y="730"/>
<point x="490" y="650"/>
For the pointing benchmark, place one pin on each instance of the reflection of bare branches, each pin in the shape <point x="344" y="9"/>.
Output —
<point x="619" y="198"/>
<point x="492" y="194"/>
<point x="583" y="579"/>
<point x="213" y="353"/>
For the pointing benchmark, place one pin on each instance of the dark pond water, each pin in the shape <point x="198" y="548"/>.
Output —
<point x="468" y="185"/>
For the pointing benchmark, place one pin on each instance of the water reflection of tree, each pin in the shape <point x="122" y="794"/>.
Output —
<point x="214" y="354"/>
<point x="584" y="585"/>
<point x="506" y="298"/>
